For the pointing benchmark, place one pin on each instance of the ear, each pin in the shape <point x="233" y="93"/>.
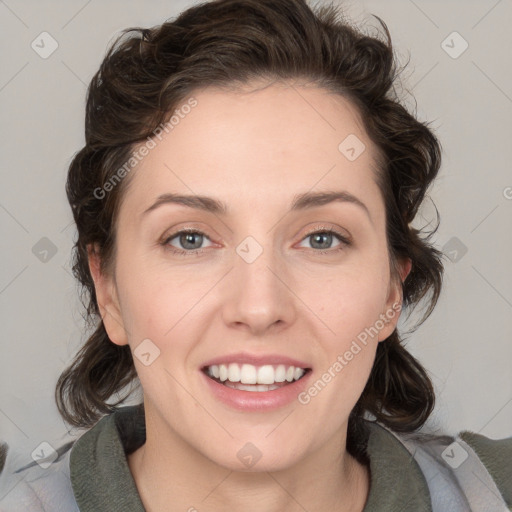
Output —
<point x="107" y="299"/>
<point x="393" y="307"/>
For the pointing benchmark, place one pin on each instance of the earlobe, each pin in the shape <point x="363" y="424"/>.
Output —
<point x="395" y="299"/>
<point x="405" y="267"/>
<point x="106" y="297"/>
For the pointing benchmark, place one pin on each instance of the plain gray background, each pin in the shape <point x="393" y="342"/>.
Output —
<point x="466" y="343"/>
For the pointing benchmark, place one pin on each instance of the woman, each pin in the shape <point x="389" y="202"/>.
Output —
<point x="244" y="204"/>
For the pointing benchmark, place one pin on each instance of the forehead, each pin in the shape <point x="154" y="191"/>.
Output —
<point x="278" y="139"/>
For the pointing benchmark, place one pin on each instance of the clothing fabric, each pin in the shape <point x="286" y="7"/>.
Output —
<point x="468" y="473"/>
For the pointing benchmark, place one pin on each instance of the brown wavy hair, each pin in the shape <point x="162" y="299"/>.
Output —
<point x="145" y="75"/>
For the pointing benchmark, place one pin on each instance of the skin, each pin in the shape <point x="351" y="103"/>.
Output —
<point x="254" y="149"/>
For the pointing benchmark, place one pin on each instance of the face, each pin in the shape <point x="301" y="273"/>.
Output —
<point x="284" y="265"/>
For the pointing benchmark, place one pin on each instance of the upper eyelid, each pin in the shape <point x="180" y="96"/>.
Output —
<point x="323" y="229"/>
<point x="201" y="232"/>
<point x="173" y="233"/>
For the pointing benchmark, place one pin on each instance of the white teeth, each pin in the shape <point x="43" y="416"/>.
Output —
<point x="234" y="372"/>
<point x="280" y="374"/>
<point x="223" y="372"/>
<point x="251" y="387"/>
<point x="248" y="374"/>
<point x="265" y="375"/>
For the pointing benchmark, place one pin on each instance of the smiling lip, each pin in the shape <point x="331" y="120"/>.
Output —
<point x="256" y="360"/>
<point x="256" y="400"/>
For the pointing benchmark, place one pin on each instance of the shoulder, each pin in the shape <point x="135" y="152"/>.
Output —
<point x="474" y="469"/>
<point x="37" y="481"/>
<point x="55" y="476"/>
<point x="496" y="456"/>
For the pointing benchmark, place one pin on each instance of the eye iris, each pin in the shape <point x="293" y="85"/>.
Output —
<point x="188" y="238"/>
<point x="318" y="236"/>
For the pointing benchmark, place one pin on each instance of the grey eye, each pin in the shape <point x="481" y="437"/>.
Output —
<point x="321" y="240"/>
<point x="191" y="240"/>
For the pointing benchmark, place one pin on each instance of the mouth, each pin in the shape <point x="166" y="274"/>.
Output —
<point x="255" y="378"/>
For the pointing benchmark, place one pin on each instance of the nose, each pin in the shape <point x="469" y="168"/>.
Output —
<point x="259" y="298"/>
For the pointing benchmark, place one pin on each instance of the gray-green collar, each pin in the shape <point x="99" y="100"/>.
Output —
<point x="102" y="480"/>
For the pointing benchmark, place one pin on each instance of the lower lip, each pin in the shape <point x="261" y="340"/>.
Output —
<point x="257" y="400"/>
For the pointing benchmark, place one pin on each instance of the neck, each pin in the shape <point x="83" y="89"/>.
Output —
<point x="172" y="476"/>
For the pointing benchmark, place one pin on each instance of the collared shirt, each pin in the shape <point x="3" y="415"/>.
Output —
<point x="91" y="474"/>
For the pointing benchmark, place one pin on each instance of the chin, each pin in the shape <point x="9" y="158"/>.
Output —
<point x="254" y="456"/>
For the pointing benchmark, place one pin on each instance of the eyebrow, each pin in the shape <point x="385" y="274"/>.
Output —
<point x="208" y="204"/>
<point x="300" y="202"/>
<point x="313" y="199"/>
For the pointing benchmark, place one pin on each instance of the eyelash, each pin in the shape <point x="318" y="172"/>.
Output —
<point x="344" y="241"/>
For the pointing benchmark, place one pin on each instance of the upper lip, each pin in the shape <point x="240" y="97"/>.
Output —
<point x="256" y="360"/>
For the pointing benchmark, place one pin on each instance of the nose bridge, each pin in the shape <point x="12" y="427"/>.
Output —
<point x="257" y="295"/>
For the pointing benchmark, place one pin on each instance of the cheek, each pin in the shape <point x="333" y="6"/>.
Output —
<point x="347" y="303"/>
<point x="154" y="300"/>
<point x="350" y="309"/>
<point x="165" y="310"/>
